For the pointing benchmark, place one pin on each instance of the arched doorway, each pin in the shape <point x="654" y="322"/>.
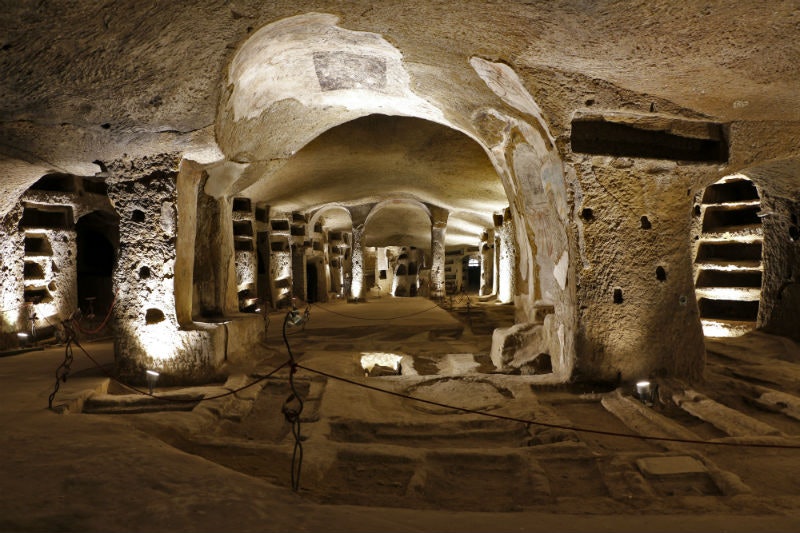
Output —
<point x="472" y="274"/>
<point x="333" y="226"/>
<point x="312" y="282"/>
<point x="363" y="134"/>
<point x="97" y="243"/>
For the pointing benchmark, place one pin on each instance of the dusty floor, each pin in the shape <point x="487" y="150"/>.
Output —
<point x="373" y="461"/>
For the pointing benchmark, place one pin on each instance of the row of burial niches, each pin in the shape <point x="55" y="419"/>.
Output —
<point x="728" y="240"/>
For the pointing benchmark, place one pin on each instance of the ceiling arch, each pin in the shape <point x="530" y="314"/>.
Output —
<point x="399" y="223"/>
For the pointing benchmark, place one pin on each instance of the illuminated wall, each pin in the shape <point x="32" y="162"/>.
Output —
<point x="280" y="264"/>
<point x="12" y="249"/>
<point x="148" y="334"/>
<point x="438" y="235"/>
<point x="487" y="264"/>
<point x="357" y="288"/>
<point x="507" y="257"/>
<point x="40" y="252"/>
<point x="244" y="245"/>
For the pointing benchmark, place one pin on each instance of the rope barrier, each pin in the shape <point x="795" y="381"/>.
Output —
<point x="292" y="414"/>
<point x="68" y="350"/>
<point x="103" y="323"/>
<point x="62" y="372"/>
<point x="295" y="396"/>
<point x="546" y="424"/>
<point x="376" y="318"/>
<point x="293" y="405"/>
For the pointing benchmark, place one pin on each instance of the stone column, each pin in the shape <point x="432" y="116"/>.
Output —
<point x="358" y="214"/>
<point x="12" y="250"/>
<point x="487" y="264"/>
<point x="507" y="258"/>
<point x="190" y="177"/>
<point x="779" y="311"/>
<point x="214" y="268"/>
<point x="145" y="195"/>
<point x="357" y="265"/>
<point x="438" y="234"/>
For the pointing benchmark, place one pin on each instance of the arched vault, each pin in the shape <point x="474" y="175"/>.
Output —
<point x="300" y="77"/>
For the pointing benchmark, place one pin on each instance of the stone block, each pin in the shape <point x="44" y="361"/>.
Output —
<point x="670" y="466"/>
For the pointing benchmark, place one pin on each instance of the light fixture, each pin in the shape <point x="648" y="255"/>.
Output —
<point x="644" y="391"/>
<point x="23" y="339"/>
<point x="152" y="378"/>
<point x="296" y="318"/>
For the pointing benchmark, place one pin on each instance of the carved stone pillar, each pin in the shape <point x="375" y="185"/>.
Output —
<point x="357" y="265"/>
<point x="507" y="258"/>
<point x="438" y="234"/>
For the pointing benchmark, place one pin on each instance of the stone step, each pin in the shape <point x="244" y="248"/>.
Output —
<point x="645" y="421"/>
<point x="730" y="421"/>
<point x="780" y="402"/>
<point x="471" y="433"/>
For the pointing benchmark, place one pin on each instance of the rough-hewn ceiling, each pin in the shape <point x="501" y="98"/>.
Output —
<point x="98" y="81"/>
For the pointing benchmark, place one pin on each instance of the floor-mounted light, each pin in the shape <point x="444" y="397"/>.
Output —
<point x="23" y="338"/>
<point x="152" y="378"/>
<point x="644" y="391"/>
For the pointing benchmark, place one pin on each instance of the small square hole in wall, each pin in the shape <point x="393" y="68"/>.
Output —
<point x="51" y="217"/>
<point x="279" y="246"/>
<point x="618" y="296"/>
<point x="37" y="245"/>
<point x="55" y="183"/>
<point x="242" y="227"/>
<point x="241" y="205"/>
<point x="280" y="225"/>
<point x="37" y="295"/>
<point x="242" y="245"/>
<point x="33" y="270"/>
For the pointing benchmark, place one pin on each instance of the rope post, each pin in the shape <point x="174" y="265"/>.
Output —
<point x="293" y="405"/>
<point x="62" y="372"/>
